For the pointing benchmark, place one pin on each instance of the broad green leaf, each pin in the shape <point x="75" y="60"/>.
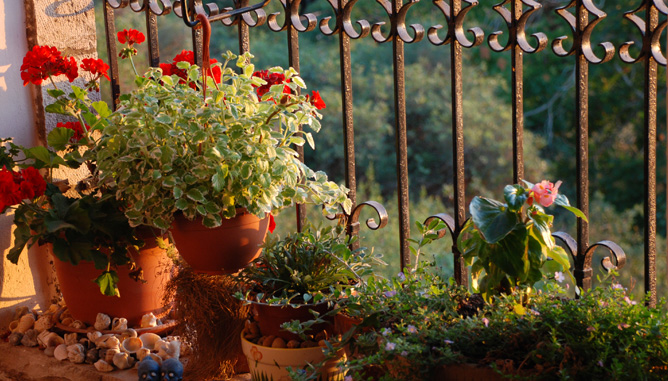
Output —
<point x="59" y="138"/>
<point x="108" y="283"/>
<point x="510" y="254"/>
<point x="541" y="226"/>
<point x="195" y="195"/>
<point x="515" y="196"/>
<point x="492" y="218"/>
<point x="102" y="109"/>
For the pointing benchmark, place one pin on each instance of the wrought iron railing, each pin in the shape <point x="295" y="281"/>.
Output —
<point x="515" y="13"/>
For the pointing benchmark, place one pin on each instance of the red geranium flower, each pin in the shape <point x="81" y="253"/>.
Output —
<point x="131" y="36"/>
<point x="9" y="189"/>
<point x="316" y="101"/>
<point x="16" y="186"/>
<point x="272" y="79"/>
<point x="76" y="127"/>
<point x="97" y="67"/>
<point x="32" y="184"/>
<point x="44" y="61"/>
<point x="189" y="56"/>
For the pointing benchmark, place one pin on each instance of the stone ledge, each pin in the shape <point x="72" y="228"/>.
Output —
<point x="19" y="363"/>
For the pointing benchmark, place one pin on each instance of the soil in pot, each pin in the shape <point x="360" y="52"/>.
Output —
<point x="222" y="250"/>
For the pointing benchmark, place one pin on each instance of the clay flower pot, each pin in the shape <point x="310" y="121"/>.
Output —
<point x="222" y="250"/>
<point x="270" y="317"/>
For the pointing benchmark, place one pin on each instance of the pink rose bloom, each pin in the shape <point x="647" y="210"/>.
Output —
<point x="545" y="192"/>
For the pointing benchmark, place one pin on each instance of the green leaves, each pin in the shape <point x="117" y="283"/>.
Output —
<point x="492" y="218"/>
<point x="108" y="283"/>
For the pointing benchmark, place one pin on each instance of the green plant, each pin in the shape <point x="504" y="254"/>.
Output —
<point x="507" y="246"/>
<point x="84" y="221"/>
<point x="310" y="266"/>
<point x="173" y="148"/>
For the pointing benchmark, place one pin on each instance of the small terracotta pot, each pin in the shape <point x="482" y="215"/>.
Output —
<point x="267" y="363"/>
<point x="270" y="317"/>
<point x="84" y="300"/>
<point x="222" y="250"/>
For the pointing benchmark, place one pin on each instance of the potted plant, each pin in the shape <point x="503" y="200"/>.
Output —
<point x="83" y="224"/>
<point x="190" y="160"/>
<point x="298" y="279"/>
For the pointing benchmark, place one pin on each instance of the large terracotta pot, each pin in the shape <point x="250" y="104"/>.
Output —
<point x="84" y="300"/>
<point x="270" y="317"/>
<point x="267" y="363"/>
<point x="222" y="250"/>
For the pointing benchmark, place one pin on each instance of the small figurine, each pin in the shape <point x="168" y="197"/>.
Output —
<point x="148" y="369"/>
<point x="171" y="370"/>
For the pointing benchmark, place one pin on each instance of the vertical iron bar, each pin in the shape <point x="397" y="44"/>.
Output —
<point x="152" y="33"/>
<point x="461" y="273"/>
<point x="517" y="97"/>
<point x="347" y="101"/>
<point x="293" y="58"/>
<point x="400" y="138"/>
<point x="110" y="33"/>
<point x="244" y="36"/>
<point x="582" y="149"/>
<point x="650" y="105"/>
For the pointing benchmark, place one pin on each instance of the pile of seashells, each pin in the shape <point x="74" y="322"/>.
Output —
<point x="106" y="351"/>
<point x="252" y="333"/>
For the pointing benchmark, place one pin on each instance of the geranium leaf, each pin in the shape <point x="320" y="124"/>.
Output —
<point x="59" y="138"/>
<point x="108" y="283"/>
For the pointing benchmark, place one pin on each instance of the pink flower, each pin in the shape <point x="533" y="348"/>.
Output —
<point x="544" y="192"/>
<point x="485" y="321"/>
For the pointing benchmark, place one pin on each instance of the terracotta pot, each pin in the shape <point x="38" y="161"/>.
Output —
<point x="270" y="317"/>
<point x="222" y="250"/>
<point x="267" y="363"/>
<point x="344" y="323"/>
<point x="84" y="300"/>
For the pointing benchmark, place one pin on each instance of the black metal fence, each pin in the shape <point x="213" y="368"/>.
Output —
<point x="581" y="16"/>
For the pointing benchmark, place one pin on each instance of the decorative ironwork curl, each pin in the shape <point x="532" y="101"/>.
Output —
<point x="585" y="38"/>
<point x="193" y="7"/>
<point x="398" y="24"/>
<point x="344" y="15"/>
<point x="455" y="26"/>
<point x="352" y="220"/>
<point x="117" y="4"/>
<point x="292" y="13"/>
<point x="516" y="26"/>
<point x="449" y="223"/>
<point x="615" y="250"/>
<point x="651" y="39"/>
<point x="260" y="15"/>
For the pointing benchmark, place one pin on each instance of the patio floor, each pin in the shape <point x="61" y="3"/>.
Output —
<point x="19" y="363"/>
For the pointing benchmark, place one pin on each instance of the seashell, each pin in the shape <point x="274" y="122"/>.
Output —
<point x="168" y="349"/>
<point x="142" y="352"/>
<point x="25" y="323"/>
<point x="65" y="315"/>
<point x="71" y="338"/>
<point x="15" y="338"/>
<point x="119" y="324"/>
<point x="103" y="366"/>
<point x="29" y="338"/>
<point x="49" y="351"/>
<point x="132" y="344"/>
<point x="128" y="333"/>
<point x="94" y="336"/>
<point x="20" y="312"/>
<point x="78" y="324"/>
<point x="76" y="353"/>
<point x="43" y="323"/>
<point x="108" y="341"/>
<point x="47" y="339"/>
<point x="149" y="340"/>
<point x="60" y="353"/>
<point x="124" y="361"/>
<point x="148" y="320"/>
<point x="155" y="358"/>
<point x="109" y="355"/>
<point x="92" y="355"/>
<point x="67" y="321"/>
<point x="13" y="325"/>
<point x="53" y="308"/>
<point x="102" y="322"/>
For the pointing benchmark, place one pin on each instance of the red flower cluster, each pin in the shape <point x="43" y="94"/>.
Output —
<point x="131" y="36"/>
<point x="272" y="79"/>
<point x="188" y="56"/>
<point x="315" y="100"/>
<point x="76" y="127"/>
<point x="44" y="61"/>
<point x="17" y="186"/>
<point x="97" y="67"/>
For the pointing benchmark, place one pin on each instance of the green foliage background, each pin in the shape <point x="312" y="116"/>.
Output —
<point x="615" y="117"/>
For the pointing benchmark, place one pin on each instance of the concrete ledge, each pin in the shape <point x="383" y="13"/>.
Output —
<point x="19" y="363"/>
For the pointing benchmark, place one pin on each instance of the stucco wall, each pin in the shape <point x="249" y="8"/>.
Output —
<point x="70" y="26"/>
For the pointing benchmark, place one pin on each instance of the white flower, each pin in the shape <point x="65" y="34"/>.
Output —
<point x="559" y="276"/>
<point x="401" y="276"/>
<point x="411" y="329"/>
<point x="348" y="378"/>
<point x="389" y="346"/>
<point x="386" y="332"/>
